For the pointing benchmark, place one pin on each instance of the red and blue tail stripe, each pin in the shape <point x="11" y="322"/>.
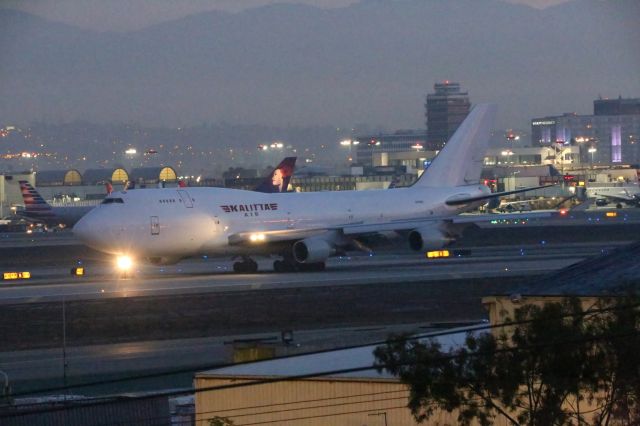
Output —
<point x="34" y="205"/>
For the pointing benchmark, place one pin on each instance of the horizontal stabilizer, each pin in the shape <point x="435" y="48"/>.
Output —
<point x="457" y="201"/>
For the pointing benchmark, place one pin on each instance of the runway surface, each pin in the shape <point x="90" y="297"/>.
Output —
<point x="213" y="275"/>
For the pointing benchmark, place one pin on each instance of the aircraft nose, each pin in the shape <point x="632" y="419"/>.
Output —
<point x="82" y="229"/>
<point x="88" y="231"/>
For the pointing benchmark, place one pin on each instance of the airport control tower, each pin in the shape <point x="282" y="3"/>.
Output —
<point x="445" y="110"/>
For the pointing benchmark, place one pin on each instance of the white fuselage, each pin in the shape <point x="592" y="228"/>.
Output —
<point x="177" y="223"/>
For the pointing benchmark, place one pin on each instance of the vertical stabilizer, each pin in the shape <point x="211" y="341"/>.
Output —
<point x="460" y="161"/>
<point x="34" y="205"/>
<point x="278" y="180"/>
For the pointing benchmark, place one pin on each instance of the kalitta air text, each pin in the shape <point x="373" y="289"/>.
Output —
<point x="249" y="209"/>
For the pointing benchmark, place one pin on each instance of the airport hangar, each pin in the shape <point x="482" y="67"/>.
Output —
<point x="69" y="186"/>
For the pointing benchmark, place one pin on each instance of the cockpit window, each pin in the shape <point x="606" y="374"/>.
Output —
<point x="112" y="200"/>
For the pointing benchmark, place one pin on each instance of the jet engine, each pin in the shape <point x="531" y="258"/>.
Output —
<point x="312" y="250"/>
<point x="428" y="238"/>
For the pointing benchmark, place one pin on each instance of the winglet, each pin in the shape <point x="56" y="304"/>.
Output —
<point x="278" y="180"/>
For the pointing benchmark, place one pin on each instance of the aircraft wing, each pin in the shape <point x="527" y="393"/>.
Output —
<point x="356" y="229"/>
<point x="476" y="218"/>
<point x="458" y="200"/>
<point x="621" y="197"/>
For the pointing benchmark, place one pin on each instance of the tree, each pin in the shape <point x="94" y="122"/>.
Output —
<point x="557" y="364"/>
<point x="617" y="385"/>
<point x="220" y="421"/>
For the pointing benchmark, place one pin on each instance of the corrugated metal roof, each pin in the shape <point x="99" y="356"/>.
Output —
<point x="327" y="361"/>
<point x="607" y="274"/>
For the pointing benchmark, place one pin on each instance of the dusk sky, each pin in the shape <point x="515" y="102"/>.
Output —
<point x="339" y="63"/>
<point x="126" y="15"/>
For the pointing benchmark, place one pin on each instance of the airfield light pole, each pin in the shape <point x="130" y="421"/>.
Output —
<point x="64" y="347"/>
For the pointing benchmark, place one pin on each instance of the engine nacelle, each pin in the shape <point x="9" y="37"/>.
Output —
<point x="312" y="250"/>
<point x="428" y="238"/>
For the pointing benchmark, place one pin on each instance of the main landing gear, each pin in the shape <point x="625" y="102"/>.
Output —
<point x="287" y="265"/>
<point x="249" y="266"/>
<point x="246" y="266"/>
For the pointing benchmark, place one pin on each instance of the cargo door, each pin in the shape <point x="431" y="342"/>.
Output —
<point x="186" y="199"/>
<point x="155" y="225"/>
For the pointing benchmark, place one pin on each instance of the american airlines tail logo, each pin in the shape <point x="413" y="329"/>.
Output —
<point x="35" y="205"/>
<point x="249" y="209"/>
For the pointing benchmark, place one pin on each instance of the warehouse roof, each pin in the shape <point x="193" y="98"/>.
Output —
<point x="329" y="361"/>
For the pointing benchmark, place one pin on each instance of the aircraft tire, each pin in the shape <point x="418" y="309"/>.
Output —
<point x="246" y="267"/>
<point x="279" y="266"/>
<point x="252" y="266"/>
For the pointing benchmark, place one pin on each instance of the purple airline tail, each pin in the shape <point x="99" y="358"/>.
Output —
<point x="278" y="180"/>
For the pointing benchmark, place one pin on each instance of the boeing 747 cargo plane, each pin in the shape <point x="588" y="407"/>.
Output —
<point x="304" y="229"/>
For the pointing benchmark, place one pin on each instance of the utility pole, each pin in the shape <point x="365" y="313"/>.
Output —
<point x="6" y="390"/>
<point x="64" y="347"/>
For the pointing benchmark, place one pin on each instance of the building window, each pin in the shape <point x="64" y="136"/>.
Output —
<point x="616" y="143"/>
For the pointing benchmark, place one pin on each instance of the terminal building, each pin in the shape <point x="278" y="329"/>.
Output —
<point x="611" y="136"/>
<point x="401" y="148"/>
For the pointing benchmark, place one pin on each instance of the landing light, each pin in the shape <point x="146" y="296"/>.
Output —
<point x="124" y="263"/>
<point x="257" y="238"/>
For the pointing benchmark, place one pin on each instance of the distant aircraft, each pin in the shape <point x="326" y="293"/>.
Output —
<point x="37" y="209"/>
<point x="514" y="206"/>
<point x="167" y="225"/>
<point x="629" y="195"/>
